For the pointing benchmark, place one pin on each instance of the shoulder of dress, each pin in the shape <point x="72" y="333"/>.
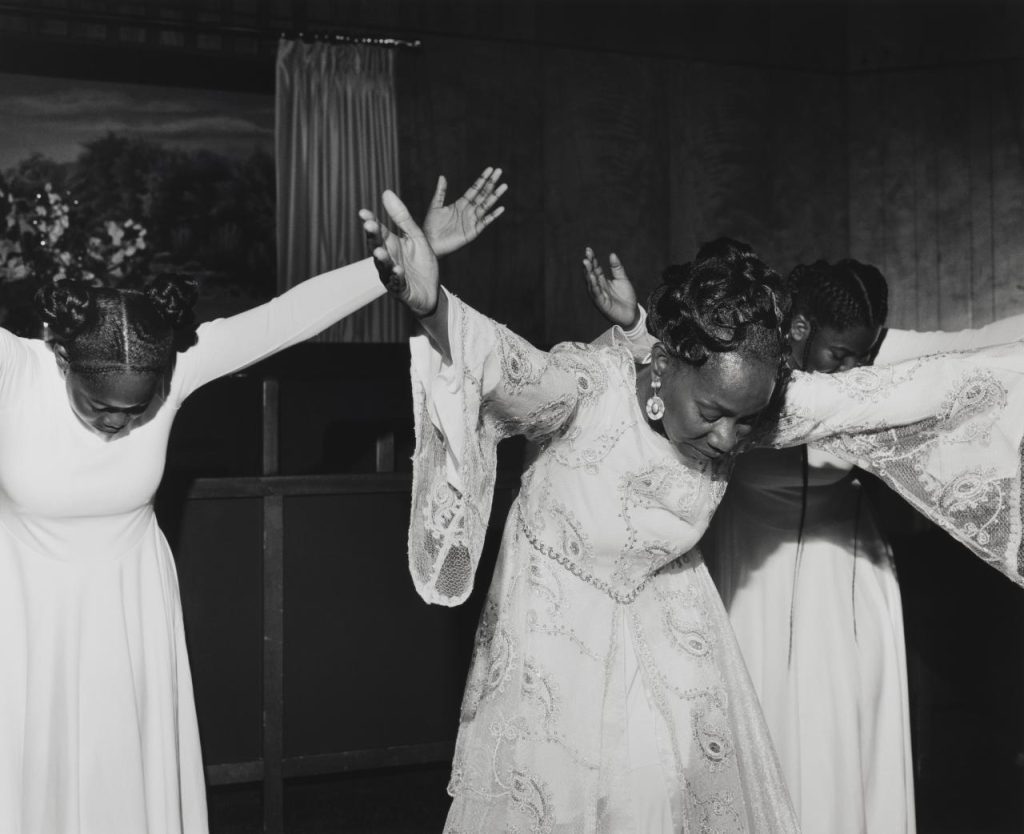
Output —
<point x="600" y="370"/>
<point x="12" y="345"/>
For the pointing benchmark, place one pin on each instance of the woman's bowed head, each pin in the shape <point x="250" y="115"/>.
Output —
<point x="838" y="311"/>
<point x="116" y="348"/>
<point x="720" y="355"/>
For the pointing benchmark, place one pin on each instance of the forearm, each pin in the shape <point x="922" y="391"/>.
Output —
<point x="435" y="325"/>
<point x="952" y="387"/>
<point x="900" y="345"/>
<point x="819" y="406"/>
<point x="228" y="345"/>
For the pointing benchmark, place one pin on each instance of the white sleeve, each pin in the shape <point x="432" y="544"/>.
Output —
<point x="496" y="385"/>
<point x="228" y="345"/>
<point x="640" y="340"/>
<point x="900" y="345"/>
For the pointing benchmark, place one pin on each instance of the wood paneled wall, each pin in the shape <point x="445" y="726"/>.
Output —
<point x="936" y="136"/>
<point x="887" y="131"/>
<point x="937" y="190"/>
<point x="644" y="156"/>
<point x="906" y="151"/>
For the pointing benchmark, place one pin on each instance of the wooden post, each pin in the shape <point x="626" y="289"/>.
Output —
<point x="386" y="451"/>
<point x="273" y="621"/>
<point x="270" y="392"/>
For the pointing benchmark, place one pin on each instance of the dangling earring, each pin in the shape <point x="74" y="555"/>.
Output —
<point x="655" y="406"/>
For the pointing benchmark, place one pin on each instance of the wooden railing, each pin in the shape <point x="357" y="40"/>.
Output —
<point x="451" y="637"/>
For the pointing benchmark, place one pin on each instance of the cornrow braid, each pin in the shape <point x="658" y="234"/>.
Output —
<point x="842" y="295"/>
<point x="111" y="330"/>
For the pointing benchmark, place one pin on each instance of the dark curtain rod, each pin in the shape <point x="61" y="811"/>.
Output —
<point x="342" y="35"/>
<point x="339" y="37"/>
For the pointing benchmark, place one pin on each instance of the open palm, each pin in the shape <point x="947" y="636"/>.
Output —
<point x="448" y="228"/>
<point x="404" y="259"/>
<point x="615" y="298"/>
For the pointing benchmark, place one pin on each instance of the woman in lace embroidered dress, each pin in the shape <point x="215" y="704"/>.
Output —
<point x="97" y="723"/>
<point x="805" y="573"/>
<point x="606" y="693"/>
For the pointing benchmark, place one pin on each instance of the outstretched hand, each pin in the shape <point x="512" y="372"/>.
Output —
<point x="406" y="263"/>
<point x="451" y="227"/>
<point x="615" y="299"/>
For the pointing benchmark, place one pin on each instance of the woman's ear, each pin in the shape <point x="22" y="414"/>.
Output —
<point x="61" y="354"/>
<point x="660" y="359"/>
<point x="799" y="328"/>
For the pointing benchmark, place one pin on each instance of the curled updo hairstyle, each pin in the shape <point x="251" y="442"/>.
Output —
<point x="842" y="295"/>
<point x="109" y="330"/>
<point x="726" y="300"/>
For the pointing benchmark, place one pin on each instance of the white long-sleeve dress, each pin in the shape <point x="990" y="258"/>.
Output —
<point x="97" y="721"/>
<point x="809" y="584"/>
<point x="607" y="693"/>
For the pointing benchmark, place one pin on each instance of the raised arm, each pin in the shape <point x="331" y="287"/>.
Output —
<point x="901" y="345"/>
<point x="230" y="344"/>
<point x="615" y="299"/>
<point x="944" y="431"/>
<point x="521" y="388"/>
<point x="474" y="383"/>
<point x="450" y="227"/>
<point x="866" y="399"/>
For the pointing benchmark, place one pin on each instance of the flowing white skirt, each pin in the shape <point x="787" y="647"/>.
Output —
<point x="98" y="728"/>
<point x="821" y="632"/>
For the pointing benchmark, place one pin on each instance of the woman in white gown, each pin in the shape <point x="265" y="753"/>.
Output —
<point x="97" y="722"/>
<point x="806" y="575"/>
<point x="811" y="590"/>
<point x="606" y="692"/>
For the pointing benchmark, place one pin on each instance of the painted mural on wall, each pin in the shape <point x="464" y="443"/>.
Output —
<point x="113" y="183"/>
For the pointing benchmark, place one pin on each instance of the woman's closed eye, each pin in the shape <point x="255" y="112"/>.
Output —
<point x="134" y="410"/>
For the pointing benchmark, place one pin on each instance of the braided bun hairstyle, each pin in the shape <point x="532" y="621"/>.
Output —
<point x="726" y="300"/>
<point x="842" y="295"/>
<point x="109" y="330"/>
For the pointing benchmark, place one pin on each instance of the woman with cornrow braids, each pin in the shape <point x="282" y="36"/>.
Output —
<point x="809" y="583"/>
<point x="98" y="727"/>
<point x="804" y="572"/>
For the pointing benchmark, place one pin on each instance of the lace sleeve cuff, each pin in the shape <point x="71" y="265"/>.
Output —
<point x="455" y="460"/>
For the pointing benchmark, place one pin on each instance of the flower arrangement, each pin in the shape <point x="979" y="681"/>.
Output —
<point x="45" y="238"/>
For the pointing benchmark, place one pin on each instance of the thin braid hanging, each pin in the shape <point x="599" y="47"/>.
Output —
<point x="804" y="469"/>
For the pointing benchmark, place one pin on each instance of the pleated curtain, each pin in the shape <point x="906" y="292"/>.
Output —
<point x="337" y="150"/>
